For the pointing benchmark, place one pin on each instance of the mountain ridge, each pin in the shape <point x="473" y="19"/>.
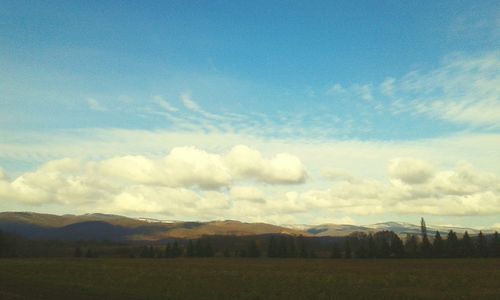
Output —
<point x="98" y="226"/>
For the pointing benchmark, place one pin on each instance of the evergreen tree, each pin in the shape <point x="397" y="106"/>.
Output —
<point x="335" y="252"/>
<point x="495" y="245"/>
<point x="283" y="249"/>
<point x="411" y="246"/>
<point x="272" y="248"/>
<point x="190" y="252"/>
<point x="397" y="247"/>
<point x="198" y="249"/>
<point x="168" y="251"/>
<point x="253" y="249"/>
<point x="227" y="253"/>
<point x="425" y="246"/>
<point x="452" y="246"/>
<point x="467" y="247"/>
<point x="372" y="247"/>
<point x="385" y="248"/>
<point x="361" y="251"/>
<point x="423" y="228"/>
<point x="302" y="247"/>
<point x="481" y="245"/>
<point x="438" y="245"/>
<point x="347" y="249"/>
<point x="207" y="250"/>
<point x="78" y="252"/>
<point x="151" y="252"/>
<point x="292" y="250"/>
<point x="176" y="250"/>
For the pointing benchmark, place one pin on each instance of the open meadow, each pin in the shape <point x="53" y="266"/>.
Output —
<point x="218" y="278"/>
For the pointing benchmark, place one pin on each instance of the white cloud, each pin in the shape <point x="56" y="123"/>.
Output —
<point x="336" y="89"/>
<point x="411" y="170"/>
<point x="189" y="103"/>
<point x="249" y="193"/>
<point x="364" y="91"/>
<point x="90" y="186"/>
<point x="388" y="86"/>
<point x="95" y="105"/>
<point x="283" y="168"/>
<point x="3" y="175"/>
<point x="164" y="104"/>
<point x="464" y="90"/>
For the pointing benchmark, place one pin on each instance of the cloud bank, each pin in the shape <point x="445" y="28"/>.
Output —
<point x="191" y="183"/>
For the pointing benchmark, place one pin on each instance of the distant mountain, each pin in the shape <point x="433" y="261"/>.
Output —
<point x="120" y="228"/>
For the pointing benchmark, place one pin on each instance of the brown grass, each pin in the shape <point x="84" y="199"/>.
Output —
<point x="248" y="279"/>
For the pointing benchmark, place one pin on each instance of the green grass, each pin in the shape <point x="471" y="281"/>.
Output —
<point x="248" y="279"/>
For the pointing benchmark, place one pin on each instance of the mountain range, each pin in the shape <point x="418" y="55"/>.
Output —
<point x="120" y="228"/>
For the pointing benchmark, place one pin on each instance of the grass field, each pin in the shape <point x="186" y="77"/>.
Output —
<point x="248" y="279"/>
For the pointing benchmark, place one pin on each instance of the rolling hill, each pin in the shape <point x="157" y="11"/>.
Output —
<point x="120" y="228"/>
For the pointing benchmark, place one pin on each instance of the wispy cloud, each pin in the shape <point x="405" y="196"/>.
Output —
<point x="164" y="104"/>
<point x="464" y="90"/>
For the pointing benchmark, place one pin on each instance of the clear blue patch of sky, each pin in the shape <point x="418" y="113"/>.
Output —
<point x="272" y="57"/>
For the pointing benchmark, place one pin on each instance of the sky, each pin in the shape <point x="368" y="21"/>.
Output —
<point x="286" y="112"/>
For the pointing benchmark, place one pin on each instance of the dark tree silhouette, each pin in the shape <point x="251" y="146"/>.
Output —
<point x="360" y="252"/>
<point x="176" y="250"/>
<point x="397" y="247"/>
<point x="208" y="251"/>
<point x="438" y="245"/>
<point x="372" y="247"/>
<point x="272" y="248"/>
<point x="467" y="246"/>
<point x="282" y="248"/>
<point x="198" y="249"/>
<point x="425" y="246"/>
<point x="302" y="247"/>
<point x="168" y="251"/>
<point x="495" y="245"/>
<point x="190" y="252"/>
<point x="253" y="249"/>
<point x="347" y="249"/>
<point x="385" y="248"/>
<point x="335" y="252"/>
<point x="78" y="252"/>
<point x="411" y="246"/>
<point x="481" y="245"/>
<point x="452" y="245"/>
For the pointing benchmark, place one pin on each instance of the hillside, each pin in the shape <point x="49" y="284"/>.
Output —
<point x="121" y="228"/>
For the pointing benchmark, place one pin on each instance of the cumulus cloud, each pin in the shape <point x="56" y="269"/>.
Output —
<point x="282" y="168"/>
<point x="132" y="180"/>
<point x="414" y="187"/>
<point x="411" y="170"/>
<point x="419" y="189"/>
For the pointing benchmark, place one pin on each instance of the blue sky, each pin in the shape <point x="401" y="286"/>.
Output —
<point x="397" y="82"/>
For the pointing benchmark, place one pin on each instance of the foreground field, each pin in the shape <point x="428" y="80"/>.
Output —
<point x="248" y="279"/>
